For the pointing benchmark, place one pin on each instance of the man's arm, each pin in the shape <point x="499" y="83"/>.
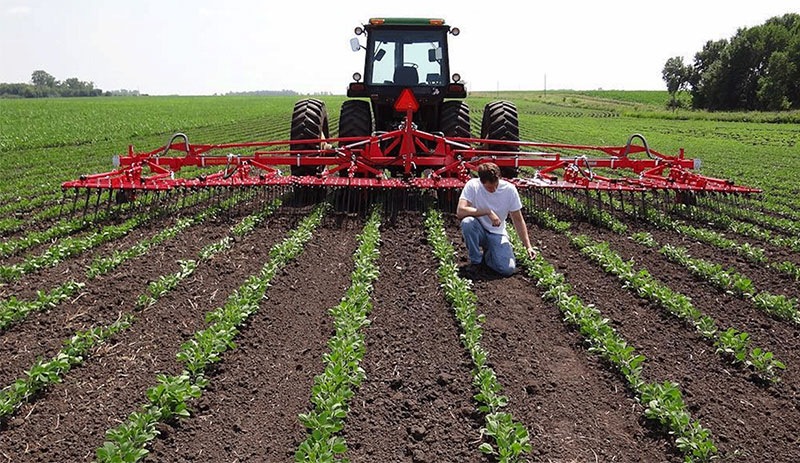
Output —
<point x="465" y="209"/>
<point x="522" y="231"/>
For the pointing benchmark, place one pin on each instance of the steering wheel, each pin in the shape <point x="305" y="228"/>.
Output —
<point x="413" y="65"/>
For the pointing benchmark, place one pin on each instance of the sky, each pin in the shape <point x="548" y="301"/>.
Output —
<point x="203" y="47"/>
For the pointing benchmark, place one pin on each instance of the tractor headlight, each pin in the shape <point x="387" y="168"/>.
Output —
<point x="455" y="31"/>
<point x="357" y="76"/>
<point x="359" y="30"/>
<point x="456" y="77"/>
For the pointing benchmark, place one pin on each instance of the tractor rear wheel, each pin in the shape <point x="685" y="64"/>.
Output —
<point x="309" y="122"/>
<point x="355" y="119"/>
<point x="454" y="119"/>
<point x="501" y="122"/>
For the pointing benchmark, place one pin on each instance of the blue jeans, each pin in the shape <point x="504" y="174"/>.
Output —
<point x="497" y="255"/>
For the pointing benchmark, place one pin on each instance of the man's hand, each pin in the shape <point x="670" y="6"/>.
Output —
<point x="532" y="252"/>
<point x="494" y="218"/>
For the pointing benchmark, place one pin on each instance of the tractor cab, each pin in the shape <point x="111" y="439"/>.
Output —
<point x="405" y="53"/>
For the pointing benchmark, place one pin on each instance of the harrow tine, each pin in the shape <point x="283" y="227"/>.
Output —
<point x="86" y="203"/>
<point x="61" y="203"/>
<point x="97" y="205"/>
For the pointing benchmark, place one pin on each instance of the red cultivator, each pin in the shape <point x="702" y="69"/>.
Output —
<point x="404" y="159"/>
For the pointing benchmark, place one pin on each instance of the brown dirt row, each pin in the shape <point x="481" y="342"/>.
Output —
<point x="249" y="411"/>
<point x="574" y="405"/>
<point x="774" y="253"/>
<point x="763" y="277"/>
<point x="100" y="301"/>
<point x="68" y="422"/>
<point x="746" y="419"/>
<point x="416" y="404"/>
<point x="776" y="335"/>
<point x="150" y="227"/>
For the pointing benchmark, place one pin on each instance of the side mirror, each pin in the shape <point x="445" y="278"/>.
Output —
<point x="381" y="53"/>
<point x="354" y="44"/>
<point x="435" y="54"/>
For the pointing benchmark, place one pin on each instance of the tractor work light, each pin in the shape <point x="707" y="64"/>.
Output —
<point x="456" y="77"/>
<point x="357" y="76"/>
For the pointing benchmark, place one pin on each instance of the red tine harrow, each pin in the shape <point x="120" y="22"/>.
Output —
<point x="406" y="159"/>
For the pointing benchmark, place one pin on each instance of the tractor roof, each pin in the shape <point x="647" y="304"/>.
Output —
<point x="406" y="22"/>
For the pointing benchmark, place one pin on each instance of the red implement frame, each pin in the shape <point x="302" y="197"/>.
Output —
<point x="446" y="163"/>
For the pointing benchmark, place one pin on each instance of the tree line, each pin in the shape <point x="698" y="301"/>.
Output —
<point x="45" y="85"/>
<point x="757" y="69"/>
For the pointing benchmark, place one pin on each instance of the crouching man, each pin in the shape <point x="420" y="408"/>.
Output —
<point x="483" y="207"/>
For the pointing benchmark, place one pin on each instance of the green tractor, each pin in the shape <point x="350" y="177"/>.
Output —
<point x="404" y="53"/>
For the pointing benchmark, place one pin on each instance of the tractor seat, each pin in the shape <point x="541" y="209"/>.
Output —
<point x="406" y="75"/>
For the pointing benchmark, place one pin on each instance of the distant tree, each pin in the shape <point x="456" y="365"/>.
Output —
<point x="758" y="68"/>
<point x="774" y="87"/>
<point x="45" y="85"/>
<point x="43" y="79"/>
<point x="677" y="75"/>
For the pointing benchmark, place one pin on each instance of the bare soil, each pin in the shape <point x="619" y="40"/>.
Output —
<point x="417" y="402"/>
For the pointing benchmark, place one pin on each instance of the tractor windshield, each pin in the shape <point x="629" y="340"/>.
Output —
<point x="407" y="57"/>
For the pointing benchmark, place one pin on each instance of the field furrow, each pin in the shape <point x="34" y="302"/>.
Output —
<point x="112" y="384"/>
<point x="250" y="410"/>
<point x="745" y="418"/>
<point x="416" y="403"/>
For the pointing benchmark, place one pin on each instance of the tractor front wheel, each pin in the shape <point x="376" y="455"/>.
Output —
<point x="309" y="122"/>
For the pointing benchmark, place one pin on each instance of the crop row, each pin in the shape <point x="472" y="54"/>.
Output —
<point x="511" y="438"/>
<point x="662" y="221"/>
<point x="751" y="253"/>
<point x="13" y="309"/>
<point x="45" y="373"/>
<point x="662" y="402"/>
<point x="779" y="306"/>
<point x="334" y="387"/>
<point x="726" y="223"/>
<point x="731" y="343"/>
<point x="168" y="399"/>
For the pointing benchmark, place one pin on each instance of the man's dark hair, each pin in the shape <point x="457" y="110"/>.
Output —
<point x="488" y="172"/>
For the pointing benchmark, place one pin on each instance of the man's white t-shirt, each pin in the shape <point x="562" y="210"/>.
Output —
<point x="504" y="200"/>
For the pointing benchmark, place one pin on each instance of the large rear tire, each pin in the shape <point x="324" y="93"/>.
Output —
<point x="309" y="122"/>
<point x="501" y="122"/>
<point x="454" y="119"/>
<point x="355" y="119"/>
